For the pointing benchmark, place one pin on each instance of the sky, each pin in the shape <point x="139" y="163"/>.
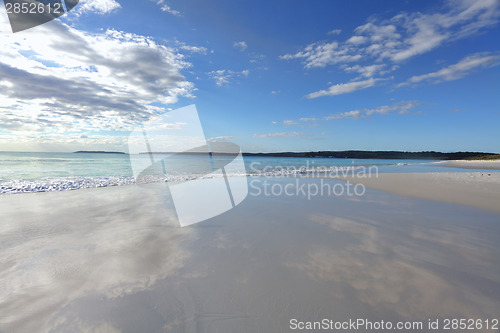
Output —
<point x="282" y="75"/>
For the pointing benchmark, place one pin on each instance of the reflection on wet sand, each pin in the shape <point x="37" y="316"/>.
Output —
<point x="114" y="260"/>
<point x="403" y="271"/>
<point x="54" y="251"/>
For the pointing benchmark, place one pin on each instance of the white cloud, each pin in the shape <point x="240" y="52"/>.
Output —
<point x="57" y="78"/>
<point x="458" y="70"/>
<point x="191" y="48"/>
<point x="221" y="138"/>
<point x="400" y="108"/>
<point x="367" y="71"/>
<point x="403" y="107"/>
<point x="357" y="40"/>
<point x="63" y="142"/>
<point x="354" y="114"/>
<point x="166" y="8"/>
<point x="194" y="49"/>
<point x="224" y="76"/>
<point x="240" y="45"/>
<point x="96" y="6"/>
<point x="322" y="54"/>
<point x="278" y="135"/>
<point x="4" y="23"/>
<point x="404" y="35"/>
<point x="334" y="32"/>
<point x="344" y="88"/>
<point x="308" y="119"/>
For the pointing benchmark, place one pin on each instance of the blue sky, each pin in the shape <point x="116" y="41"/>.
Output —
<point x="270" y="76"/>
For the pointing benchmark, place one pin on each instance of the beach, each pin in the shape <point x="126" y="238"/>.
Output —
<point x="480" y="164"/>
<point x="475" y="189"/>
<point x="249" y="167"/>
<point x="115" y="259"/>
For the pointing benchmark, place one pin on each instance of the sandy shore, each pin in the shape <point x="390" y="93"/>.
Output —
<point x="487" y="165"/>
<point x="116" y="260"/>
<point x="475" y="189"/>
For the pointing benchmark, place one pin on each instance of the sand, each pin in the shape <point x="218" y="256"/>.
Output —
<point x="487" y="165"/>
<point x="475" y="189"/>
<point x="115" y="260"/>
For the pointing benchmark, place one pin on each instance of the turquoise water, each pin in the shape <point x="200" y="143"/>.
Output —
<point x="32" y="166"/>
<point x="37" y="172"/>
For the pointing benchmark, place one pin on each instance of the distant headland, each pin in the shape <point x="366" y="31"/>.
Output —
<point x="390" y="155"/>
<point x="354" y="154"/>
<point x="98" y="152"/>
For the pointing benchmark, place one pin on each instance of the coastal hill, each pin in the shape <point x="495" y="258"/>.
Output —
<point x="357" y="154"/>
<point x="364" y="154"/>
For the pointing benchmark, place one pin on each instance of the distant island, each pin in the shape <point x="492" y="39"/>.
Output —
<point x="98" y="152"/>
<point x="389" y="155"/>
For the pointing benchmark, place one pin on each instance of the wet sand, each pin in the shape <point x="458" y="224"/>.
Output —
<point x="115" y="260"/>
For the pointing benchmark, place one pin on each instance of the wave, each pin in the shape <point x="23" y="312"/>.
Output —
<point x="14" y="186"/>
<point x="60" y="184"/>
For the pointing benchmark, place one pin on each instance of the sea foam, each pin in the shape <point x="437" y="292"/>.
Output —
<point x="48" y="184"/>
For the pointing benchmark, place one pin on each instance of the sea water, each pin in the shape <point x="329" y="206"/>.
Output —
<point x="22" y="172"/>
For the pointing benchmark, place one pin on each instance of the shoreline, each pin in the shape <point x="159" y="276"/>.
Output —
<point x="474" y="189"/>
<point x="90" y="260"/>
<point x="473" y="164"/>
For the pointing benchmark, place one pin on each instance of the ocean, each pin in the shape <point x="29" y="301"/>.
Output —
<point x="25" y="172"/>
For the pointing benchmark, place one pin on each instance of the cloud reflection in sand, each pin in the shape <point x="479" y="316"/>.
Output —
<point x="402" y="268"/>
<point x="90" y="244"/>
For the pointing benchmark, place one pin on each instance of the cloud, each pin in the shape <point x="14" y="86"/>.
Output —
<point x="400" y="108"/>
<point x="240" y="45"/>
<point x="191" y="48"/>
<point x="427" y="31"/>
<point x="404" y="35"/>
<point x="194" y="49"/>
<point x="334" y="32"/>
<point x="368" y="71"/>
<point x="354" y="114"/>
<point x="344" y="88"/>
<point x="379" y="46"/>
<point x="277" y="135"/>
<point x="357" y="40"/>
<point x="224" y="76"/>
<point x="322" y="54"/>
<point x="458" y="70"/>
<point x="96" y="6"/>
<point x="308" y="119"/>
<point x="167" y="9"/>
<point x="221" y="138"/>
<point x="403" y="107"/>
<point x="57" y="78"/>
